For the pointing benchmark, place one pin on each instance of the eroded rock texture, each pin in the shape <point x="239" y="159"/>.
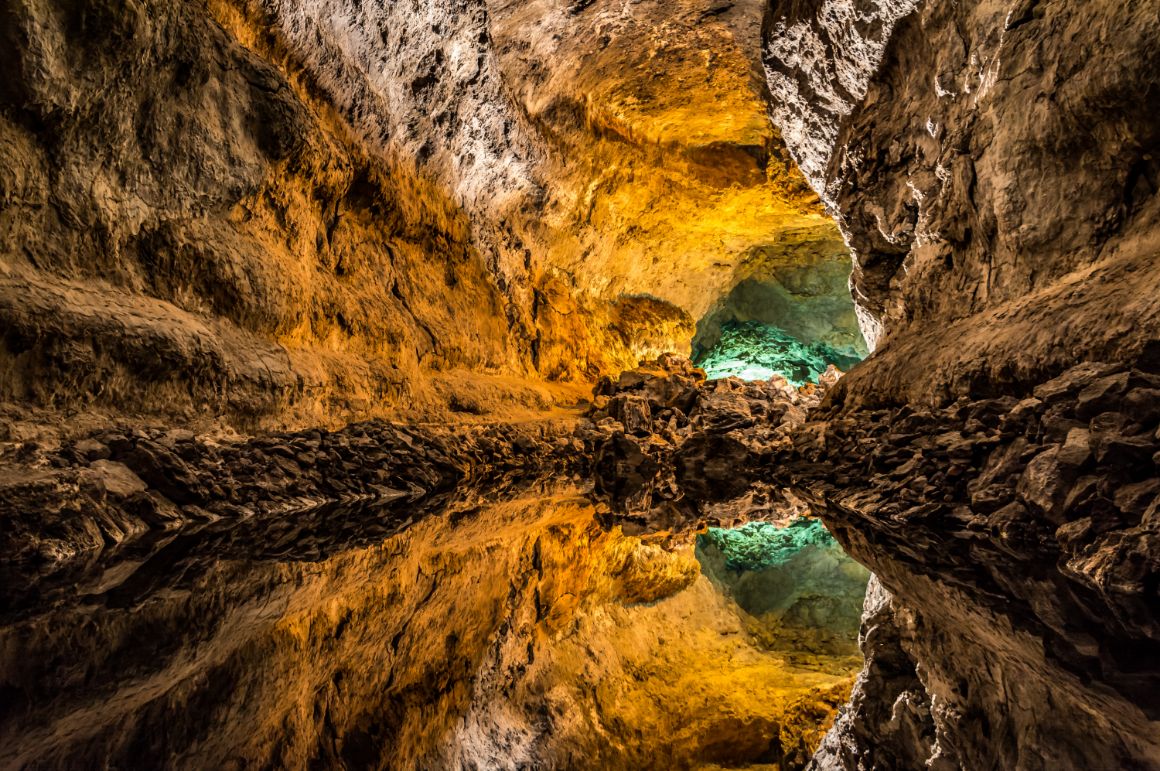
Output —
<point x="269" y="214"/>
<point x="996" y="181"/>
<point x="1017" y="534"/>
<point x="255" y="215"/>
<point x="999" y="171"/>
<point x="192" y="228"/>
<point x="1019" y="538"/>
<point x="887" y="723"/>
<point x="416" y="597"/>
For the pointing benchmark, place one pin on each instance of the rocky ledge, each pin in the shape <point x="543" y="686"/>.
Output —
<point x="1016" y="538"/>
<point x="675" y="450"/>
<point x="112" y="486"/>
<point x="1021" y="537"/>
<point x="658" y="439"/>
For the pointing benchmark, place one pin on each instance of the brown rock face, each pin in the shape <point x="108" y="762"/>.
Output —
<point x="297" y="213"/>
<point x="995" y="178"/>
<point x="656" y="116"/>
<point x="1022" y="570"/>
<point x="192" y="228"/>
<point x="996" y="183"/>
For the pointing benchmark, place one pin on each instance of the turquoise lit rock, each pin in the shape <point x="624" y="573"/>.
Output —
<point x="751" y="350"/>
<point x="759" y="545"/>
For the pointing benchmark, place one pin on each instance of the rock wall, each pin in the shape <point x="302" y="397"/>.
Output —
<point x="819" y="59"/>
<point x="194" y="228"/>
<point x="265" y="214"/>
<point x="995" y="178"/>
<point x="887" y="723"/>
<point x="664" y="170"/>
<point x="1014" y="538"/>
<point x="272" y="214"/>
<point x="998" y="166"/>
<point x="1018" y="536"/>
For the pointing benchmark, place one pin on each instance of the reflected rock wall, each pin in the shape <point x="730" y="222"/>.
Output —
<point x="496" y="633"/>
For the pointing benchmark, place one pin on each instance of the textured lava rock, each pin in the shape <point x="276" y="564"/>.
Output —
<point x="62" y="504"/>
<point x="996" y="172"/>
<point x="279" y="214"/>
<point x="887" y="723"/>
<point x="672" y="448"/>
<point x="992" y="166"/>
<point x="263" y="213"/>
<point x="1018" y="539"/>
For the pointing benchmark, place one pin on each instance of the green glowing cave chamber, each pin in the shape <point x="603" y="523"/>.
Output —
<point x="792" y="320"/>
<point x="760" y="545"/>
<point x="751" y="350"/>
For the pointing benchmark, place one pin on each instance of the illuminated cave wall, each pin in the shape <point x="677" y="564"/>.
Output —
<point x="317" y="212"/>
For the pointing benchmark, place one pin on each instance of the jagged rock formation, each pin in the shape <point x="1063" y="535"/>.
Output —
<point x="999" y="171"/>
<point x="887" y="723"/>
<point x="433" y="563"/>
<point x="675" y="451"/>
<point x="1018" y="533"/>
<point x="193" y="230"/>
<point x="819" y="59"/>
<point x="1019" y="536"/>
<point x="98" y="491"/>
<point x="996" y="181"/>
<point x="259" y="216"/>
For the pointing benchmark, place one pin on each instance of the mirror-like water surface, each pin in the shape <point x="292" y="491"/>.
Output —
<point x="478" y="630"/>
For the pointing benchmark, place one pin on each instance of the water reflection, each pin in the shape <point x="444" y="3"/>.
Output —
<point x="802" y="592"/>
<point x="486" y="629"/>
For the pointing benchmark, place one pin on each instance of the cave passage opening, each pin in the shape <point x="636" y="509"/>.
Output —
<point x="793" y="319"/>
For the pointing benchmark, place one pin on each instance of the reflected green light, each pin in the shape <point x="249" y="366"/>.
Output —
<point x="803" y="592"/>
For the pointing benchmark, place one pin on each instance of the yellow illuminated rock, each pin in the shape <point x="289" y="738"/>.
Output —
<point x="322" y="214"/>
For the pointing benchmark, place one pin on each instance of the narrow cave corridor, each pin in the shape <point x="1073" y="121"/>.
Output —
<point x="580" y="384"/>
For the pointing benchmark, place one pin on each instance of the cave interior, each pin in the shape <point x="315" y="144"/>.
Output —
<point x="580" y="384"/>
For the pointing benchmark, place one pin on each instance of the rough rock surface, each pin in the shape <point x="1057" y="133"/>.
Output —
<point x="1020" y="538"/>
<point x="286" y="214"/>
<point x="1017" y="533"/>
<point x="819" y="59"/>
<point x="62" y="503"/>
<point x="260" y="213"/>
<point x="887" y="724"/>
<point x="998" y="170"/>
<point x="995" y="177"/>
<point x="495" y="621"/>
<point x="676" y="451"/>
